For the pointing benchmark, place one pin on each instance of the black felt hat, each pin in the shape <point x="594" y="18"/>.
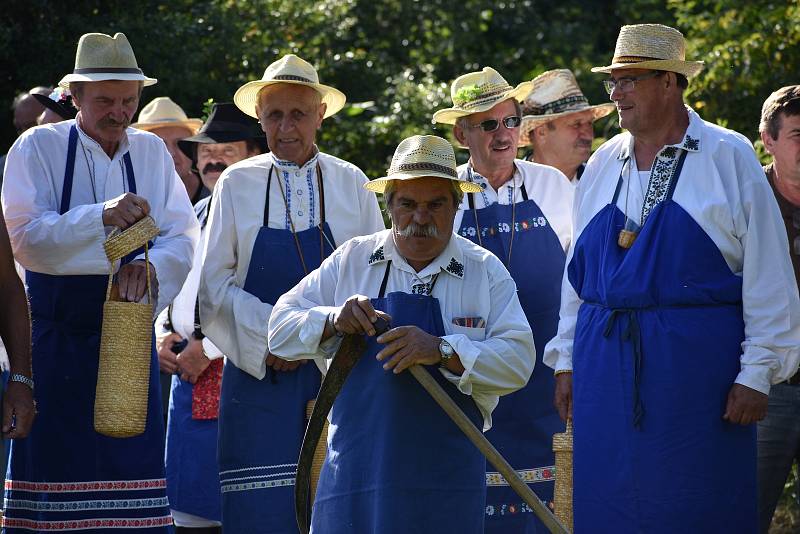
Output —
<point x="225" y="124"/>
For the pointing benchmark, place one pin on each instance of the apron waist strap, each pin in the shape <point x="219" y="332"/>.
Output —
<point x="633" y="333"/>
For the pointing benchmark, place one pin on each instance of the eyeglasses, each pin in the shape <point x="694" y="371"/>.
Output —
<point x="491" y="125"/>
<point x="627" y="84"/>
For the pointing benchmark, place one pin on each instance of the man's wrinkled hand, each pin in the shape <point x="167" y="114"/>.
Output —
<point x="281" y="365"/>
<point x="192" y="361"/>
<point x="745" y="405"/>
<point x="407" y="346"/>
<point x="356" y="316"/>
<point x="167" y="360"/>
<point x="125" y="210"/>
<point x="562" y="399"/>
<point x="19" y="410"/>
<point x="132" y="281"/>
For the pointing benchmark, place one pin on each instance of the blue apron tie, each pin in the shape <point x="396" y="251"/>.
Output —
<point x="631" y="333"/>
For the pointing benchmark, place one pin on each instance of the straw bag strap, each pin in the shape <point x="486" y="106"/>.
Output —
<point x="146" y="269"/>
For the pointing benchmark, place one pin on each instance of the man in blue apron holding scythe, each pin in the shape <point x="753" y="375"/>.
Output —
<point x="67" y="185"/>
<point x="678" y="309"/>
<point x="273" y="219"/>
<point x="523" y="215"/>
<point x="395" y="462"/>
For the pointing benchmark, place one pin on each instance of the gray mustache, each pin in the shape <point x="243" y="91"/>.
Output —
<point x="419" y="230"/>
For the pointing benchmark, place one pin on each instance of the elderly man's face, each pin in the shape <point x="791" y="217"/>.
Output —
<point x="213" y="158"/>
<point x="490" y="150"/>
<point x="566" y="139"/>
<point x="641" y="109"/>
<point x="290" y="116"/>
<point x="26" y="113"/>
<point x="106" y="109"/>
<point x="422" y="212"/>
<point x="183" y="165"/>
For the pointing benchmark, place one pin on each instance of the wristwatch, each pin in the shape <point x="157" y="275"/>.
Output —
<point x="19" y="377"/>
<point x="446" y="352"/>
<point x="330" y="320"/>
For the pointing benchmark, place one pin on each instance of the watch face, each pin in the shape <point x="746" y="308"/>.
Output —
<point x="445" y="349"/>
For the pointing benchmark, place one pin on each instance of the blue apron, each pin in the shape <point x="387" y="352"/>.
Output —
<point x="524" y="422"/>
<point x="191" y="457"/>
<point x="396" y="464"/>
<point x="262" y="422"/>
<point x="65" y="475"/>
<point x="656" y="350"/>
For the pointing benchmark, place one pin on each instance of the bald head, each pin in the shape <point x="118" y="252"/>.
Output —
<point x="26" y="110"/>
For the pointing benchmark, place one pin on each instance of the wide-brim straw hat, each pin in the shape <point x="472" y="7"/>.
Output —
<point x="475" y="92"/>
<point x="651" y="46"/>
<point x="101" y="57"/>
<point x="422" y="156"/>
<point x="163" y="112"/>
<point x="294" y="70"/>
<point x="226" y="124"/>
<point x="555" y="94"/>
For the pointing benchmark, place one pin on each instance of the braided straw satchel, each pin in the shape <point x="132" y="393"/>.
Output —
<point x="562" y="498"/>
<point x="123" y="375"/>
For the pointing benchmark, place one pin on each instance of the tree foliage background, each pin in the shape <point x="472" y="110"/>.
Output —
<point x="394" y="59"/>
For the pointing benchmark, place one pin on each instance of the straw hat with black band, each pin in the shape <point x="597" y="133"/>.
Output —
<point x="59" y="102"/>
<point x="651" y="46"/>
<point x="225" y="124"/>
<point x="293" y="70"/>
<point x="555" y="94"/>
<point x="422" y="156"/>
<point x="475" y="92"/>
<point x="101" y="57"/>
<point x="162" y="112"/>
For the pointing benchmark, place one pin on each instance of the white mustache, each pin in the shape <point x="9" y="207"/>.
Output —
<point x="418" y="230"/>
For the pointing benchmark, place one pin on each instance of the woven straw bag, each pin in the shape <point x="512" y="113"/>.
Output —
<point x="123" y="374"/>
<point x="562" y="498"/>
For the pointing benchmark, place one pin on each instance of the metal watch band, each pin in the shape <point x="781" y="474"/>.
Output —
<point x="18" y="377"/>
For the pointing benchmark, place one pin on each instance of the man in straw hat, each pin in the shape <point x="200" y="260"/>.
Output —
<point x="778" y="439"/>
<point x="167" y="120"/>
<point x="522" y="213"/>
<point x="195" y="363"/>
<point x="67" y="185"/>
<point x="675" y="312"/>
<point x="273" y="220"/>
<point x="395" y="462"/>
<point x="557" y="123"/>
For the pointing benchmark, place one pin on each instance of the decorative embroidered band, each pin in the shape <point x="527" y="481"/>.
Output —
<point x="529" y="476"/>
<point x="424" y="166"/>
<point x="115" y="70"/>
<point x="557" y="106"/>
<point x="485" y="97"/>
<point x="292" y="77"/>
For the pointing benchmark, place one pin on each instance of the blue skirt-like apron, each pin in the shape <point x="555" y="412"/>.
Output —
<point x="66" y="476"/>
<point x="657" y="348"/>
<point x="524" y="422"/>
<point x="396" y="464"/>
<point x="262" y="422"/>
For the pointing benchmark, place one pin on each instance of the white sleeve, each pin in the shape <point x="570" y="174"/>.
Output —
<point x="179" y="233"/>
<point x="503" y="362"/>
<point x="298" y="318"/>
<point x="44" y="241"/>
<point x="771" y="348"/>
<point x="234" y="319"/>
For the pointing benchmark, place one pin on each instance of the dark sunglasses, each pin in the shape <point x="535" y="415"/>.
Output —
<point x="491" y="125"/>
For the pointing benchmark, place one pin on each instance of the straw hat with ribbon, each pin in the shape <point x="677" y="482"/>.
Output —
<point x="59" y="101"/>
<point x="651" y="46"/>
<point x="101" y="57"/>
<point x="288" y="69"/>
<point x="422" y="156"/>
<point x="475" y="92"/>
<point x="163" y="112"/>
<point x="555" y="94"/>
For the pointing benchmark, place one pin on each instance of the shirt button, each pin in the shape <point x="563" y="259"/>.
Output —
<point x="297" y="173"/>
<point x="300" y="213"/>
<point x="299" y="191"/>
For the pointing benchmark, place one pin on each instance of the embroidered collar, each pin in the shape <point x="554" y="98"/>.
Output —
<point x="690" y="141"/>
<point x="291" y="166"/>
<point x="451" y="260"/>
<point x="478" y="178"/>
